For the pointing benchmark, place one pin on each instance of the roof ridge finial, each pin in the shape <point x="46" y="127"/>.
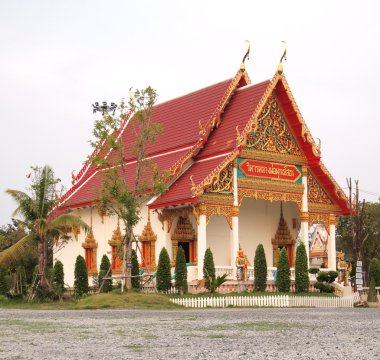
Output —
<point x="280" y="69"/>
<point x="246" y="56"/>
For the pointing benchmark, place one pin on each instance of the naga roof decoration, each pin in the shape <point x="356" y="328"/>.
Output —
<point x="209" y="122"/>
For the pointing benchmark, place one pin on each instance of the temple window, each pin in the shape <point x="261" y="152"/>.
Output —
<point x="184" y="235"/>
<point x="148" y="246"/>
<point x="116" y="243"/>
<point x="90" y="247"/>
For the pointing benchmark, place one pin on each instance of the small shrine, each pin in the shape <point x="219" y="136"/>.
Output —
<point x="282" y="239"/>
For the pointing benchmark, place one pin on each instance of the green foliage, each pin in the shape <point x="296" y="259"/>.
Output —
<point x="4" y="286"/>
<point x="324" y="287"/>
<point x="372" y="294"/>
<point x="208" y="269"/>
<point x="43" y="228"/>
<point x="301" y="269"/>
<point x="324" y="281"/>
<point x="314" y="270"/>
<point x="181" y="271"/>
<point x="135" y="271"/>
<point x="260" y="269"/>
<point x="58" y="277"/>
<point x="219" y="280"/>
<point x="283" y="271"/>
<point x="374" y="271"/>
<point x="80" y="277"/>
<point x="103" y="270"/>
<point x="164" y="282"/>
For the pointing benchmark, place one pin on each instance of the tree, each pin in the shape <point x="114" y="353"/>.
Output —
<point x="42" y="229"/>
<point x="372" y="294"/>
<point x="135" y="271"/>
<point x="120" y="191"/>
<point x="181" y="271"/>
<point x="301" y="269"/>
<point x="105" y="266"/>
<point x="260" y="269"/>
<point x="283" y="271"/>
<point x="374" y="271"/>
<point x="164" y="282"/>
<point x="58" y="277"/>
<point x="368" y="243"/>
<point x="324" y="281"/>
<point x="80" y="277"/>
<point x="208" y="269"/>
<point x="3" y="281"/>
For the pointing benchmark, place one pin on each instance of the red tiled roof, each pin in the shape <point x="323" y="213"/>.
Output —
<point x="181" y="189"/>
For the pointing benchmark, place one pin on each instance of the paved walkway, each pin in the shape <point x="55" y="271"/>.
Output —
<point x="191" y="334"/>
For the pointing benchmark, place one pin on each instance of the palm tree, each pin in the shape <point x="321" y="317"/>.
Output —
<point x="42" y="228"/>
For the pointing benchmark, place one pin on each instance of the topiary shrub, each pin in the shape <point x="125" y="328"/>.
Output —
<point x="164" y="282"/>
<point x="314" y="270"/>
<point x="58" y="278"/>
<point x="260" y="269"/>
<point x="372" y="294"/>
<point x="374" y="271"/>
<point x="324" y="281"/>
<point x="283" y="271"/>
<point x="104" y="268"/>
<point x="208" y="269"/>
<point x="301" y="269"/>
<point x="181" y="271"/>
<point x="135" y="271"/>
<point x="80" y="277"/>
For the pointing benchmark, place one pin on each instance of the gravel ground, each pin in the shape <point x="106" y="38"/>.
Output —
<point x="191" y="334"/>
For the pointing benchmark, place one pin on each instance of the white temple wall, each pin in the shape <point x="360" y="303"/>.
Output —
<point x="218" y="240"/>
<point x="258" y="222"/>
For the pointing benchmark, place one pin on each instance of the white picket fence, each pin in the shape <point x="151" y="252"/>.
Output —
<point x="265" y="301"/>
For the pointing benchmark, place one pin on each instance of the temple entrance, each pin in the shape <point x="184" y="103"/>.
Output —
<point x="186" y="249"/>
<point x="289" y="250"/>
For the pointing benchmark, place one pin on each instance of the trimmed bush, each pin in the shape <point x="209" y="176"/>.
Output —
<point x="58" y="277"/>
<point x="314" y="270"/>
<point x="283" y="271"/>
<point x="260" y="269"/>
<point x="301" y="269"/>
<point x="80" y="276"/>
<point x="164" y="282"/>
<point x="374" y="271"/>
<point x="103" y="270"/>
<point x="324" y="280"/>
<point x="208" y="269"/>
<point x="372" y="295"/>
<point x="135" y="270"/>
<point x="181" y="271"/>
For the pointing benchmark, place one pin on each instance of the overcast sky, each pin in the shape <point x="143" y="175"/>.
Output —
<point x="59" y="57"/>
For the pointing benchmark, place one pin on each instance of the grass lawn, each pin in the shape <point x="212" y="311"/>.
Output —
<point x="113" y="300"/>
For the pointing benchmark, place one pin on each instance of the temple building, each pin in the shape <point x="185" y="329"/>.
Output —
<point x="244" y="170"/>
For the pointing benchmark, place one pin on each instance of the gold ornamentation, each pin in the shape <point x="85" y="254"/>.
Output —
<point x="272" y="133"/>
<point x="116" y="244"/>
<point x="320" y="218"/>
<point x="248" y="153"/>
<point x="170" y="214"/>
<point x="184" y="232"/>
<point x="282" y="236"/>
<point x="271" y="184"/>
<point x="90" y="245"/>
<point x="224" y="182"/>
<point x="315" y="192"/>
<point x="102" y="212"/>
<point x="246" y="56"/>
<point x="338" y="191"/>
<point x="223" y="199"/>
<point x="329" y="208"/>
<point x="304" y="170"/>
<point x="235" y="211"/>
<point x="219" y="210"/>
<point x="148" y="239"/>
<point x="332" y="219"/>
<point x="200" y="188"/>
<point x="269" y="196"/>
<point x="280" y="69"/>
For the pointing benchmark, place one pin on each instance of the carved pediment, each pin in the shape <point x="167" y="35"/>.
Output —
<point x="315" y="192"/>
<point x="272" y="133"/>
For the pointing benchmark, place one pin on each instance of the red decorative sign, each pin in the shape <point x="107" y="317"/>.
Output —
<point x="270" y="170"/>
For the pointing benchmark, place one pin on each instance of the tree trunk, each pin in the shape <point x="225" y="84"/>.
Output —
<point x="42" y="263"/>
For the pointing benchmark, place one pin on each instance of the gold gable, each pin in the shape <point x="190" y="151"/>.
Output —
<point x="272" y="137"/>
<point x="315" y="193"/>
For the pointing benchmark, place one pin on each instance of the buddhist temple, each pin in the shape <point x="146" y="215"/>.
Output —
<point x="243" y="169"/>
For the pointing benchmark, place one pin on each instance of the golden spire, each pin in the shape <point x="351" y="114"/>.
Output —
<point x="283" y="57"/>
<point x="246" y="56"/>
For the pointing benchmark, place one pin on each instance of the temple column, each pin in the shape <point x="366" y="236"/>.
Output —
<point x="235" y="223"/>
<point x="234" y="238"/>
<point x="304" y="217"/>
<point x="201" y="246"/>
<point x="331" y="245"/>
<point x="167" y="240"/>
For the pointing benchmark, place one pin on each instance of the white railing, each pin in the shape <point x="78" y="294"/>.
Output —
<point x="221" y="270"/>
<point x="265" y="301"/>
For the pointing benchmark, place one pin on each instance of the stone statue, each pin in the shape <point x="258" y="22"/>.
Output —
<point x="242" y="264"/>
